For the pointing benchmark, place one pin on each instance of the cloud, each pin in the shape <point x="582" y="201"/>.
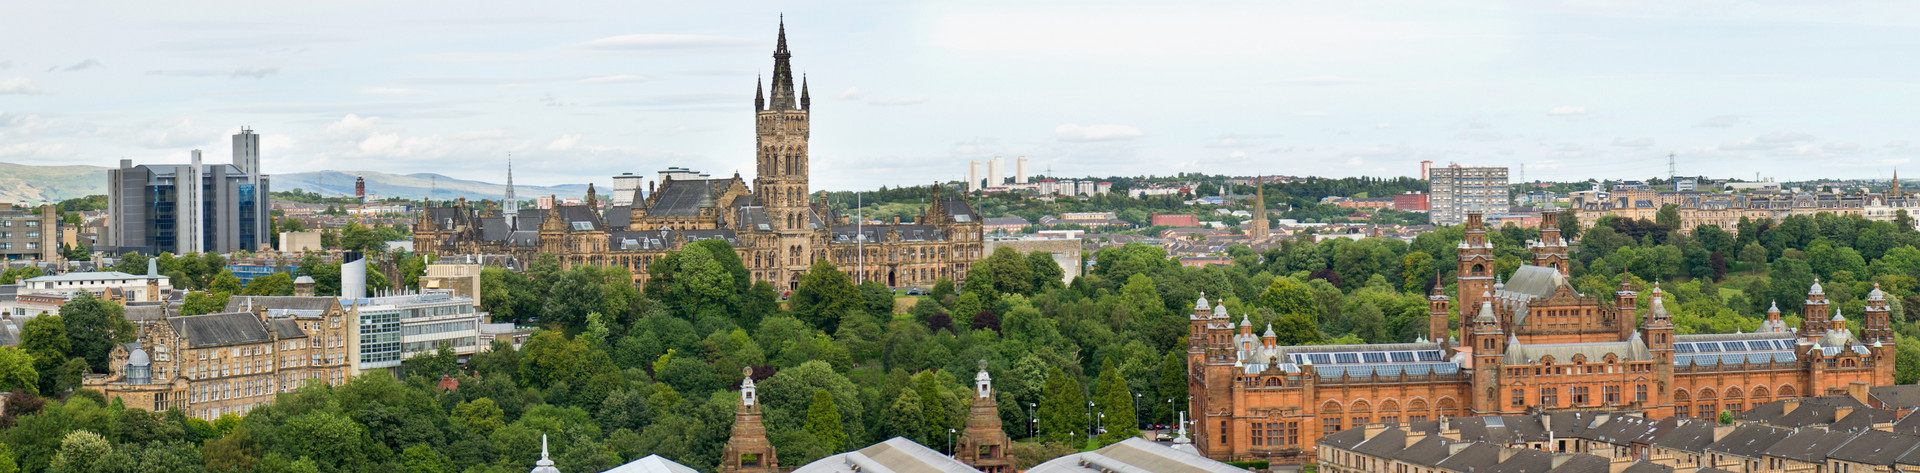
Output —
<point x="393" y="91"/>
<point x="19" y="86"/>
<point x="1567" y="110"/>
<point x="79" y="66"/>
<point x="352" y="127"/>
<point x="655" y="42"/>
<point x="1481" y="135"/>
<point x="688" y="101"/>
<point x="7" y="64"/>
<point x="615" y="79"/>
<point x="565" y="142"/>
<point x="256" y="73"/>
<point x="1317" y="81"/>
<point x="1722" y="121"/>
<point x="1633" y="142"/>
<point x="1842" y="147"/>
<point x="177" y="132"/>
<point x="900" y="101"/>
<point x="1226" y="142"/>
<point x="1077" y="133"/>
<point x="1310" y="113"/>
<point x="850" y="94"/>
<point x="1772" y="141"/>
<point x="1237" y="154"/>
<point x="1382" y="126"/>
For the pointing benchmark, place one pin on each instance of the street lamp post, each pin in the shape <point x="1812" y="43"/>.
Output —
<point x="1033" y="422"/>
<point x="1136" y="410"/>
<point x="951" y="444"/>
<point x="1091" y="428"/>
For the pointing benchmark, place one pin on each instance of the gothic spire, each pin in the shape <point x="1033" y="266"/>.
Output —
<point x="510" y="207"/>
<point x="805" y="102"/>
<point x="783" y="94"/>
<point x="759" y="99"/>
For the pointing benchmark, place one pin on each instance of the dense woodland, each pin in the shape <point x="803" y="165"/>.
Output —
<point x="620" y="372"/>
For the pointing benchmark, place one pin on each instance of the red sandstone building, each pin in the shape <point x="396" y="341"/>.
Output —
<point x="1530" y="343"/>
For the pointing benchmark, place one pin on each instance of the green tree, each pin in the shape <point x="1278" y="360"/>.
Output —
<point x="95" y="325"/>
<point x="935" y="404"/>
<point x="1288" y="296"/>
<point x="1011" y="272"/>
<point x="79" y="450"/>
<point x="203" y="303"/>
<point x="421" y="458"/>
<point x="1046" y="272"/>
<point x="1416" y="271"/>
<point x="823" y="422"/>
<point x="694" y="283"/>
<point x="7" y="463"/>
<point x="1116" y="406"/>
<point x="1062" y="410"/>
<point x="1172" y="387"/>
<point x="17" y="371"/>
<point x="825" y="294"/>
<point x="276" y="284"/>
<point x="1753" y="255"/>
<point x="904" y="418"/>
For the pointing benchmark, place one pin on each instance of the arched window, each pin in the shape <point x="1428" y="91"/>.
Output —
<point x="1786" y="390"/>
<point x="1273" y="382"/>
<point x="1478" y="268"/>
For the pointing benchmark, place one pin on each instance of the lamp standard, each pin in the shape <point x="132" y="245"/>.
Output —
<point x="1136" y="410"/>
<point x="1033" y="423"/>
<point x="950" y="444"/>
<point x="1091" y="428"/>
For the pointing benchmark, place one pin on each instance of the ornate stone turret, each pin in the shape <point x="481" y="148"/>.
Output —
<point x="1815" y="311"/>
<point x="983" y="445"/>
<point x="1438" y="327"/>
<point x="1551" y="250"/>
<point x="1878" y="326"/>
<point x="1475" y="273"/>
<point x="1773" y="324"/>
<point x="1657" y="328"/>
<point x="748" y="450"/>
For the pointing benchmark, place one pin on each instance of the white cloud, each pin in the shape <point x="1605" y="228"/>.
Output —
<point x="179" y="132"/>
<point x="1317" y="81"/>
<point x="1072" y="132"/>
<point x="850" y="94"/>
<point x="254" y="72"/>
<point x="393" y="91"/>
<point x="1842" y="147"/>
<point x="82" y="65"/>
<point x="616" y="79"/>
<point x="19" y="86"/>
<point x="352" y="127"/>
<point x="642" y="42"/>
<point x="1237" y="154"/>
<point x="1772" y="141"/>
<point x="1721" y="121"/>
<point x="565" y="142"/>
<point x="1310" y="113"/>
<point x="1226" y="142"/>
<point x="7" y="64"/>
<point x="1382" y="126"/>
<point x="1481" y="135"/>
<point x="1567" y="110"/>
<point x="1642" y="142"/>
<point x="900" y="101"/>
<point x="33" y="149"/>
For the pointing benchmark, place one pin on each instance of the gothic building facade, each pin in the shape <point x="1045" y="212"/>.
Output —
<point x="775" y="225"/>
<point x="1530" y="343"/>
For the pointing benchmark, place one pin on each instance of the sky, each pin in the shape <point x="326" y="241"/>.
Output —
<point x="906" y="93"/>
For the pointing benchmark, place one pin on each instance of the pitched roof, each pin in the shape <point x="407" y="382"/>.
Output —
<point x="1748" y="440"/>
<point x="1346" y="439"/>
<point x="1525" y="460"/>
<point x="1580" y="463"/>
<point x="1384" y="444"/>
<point x="212" y="330"/>
<point x="1134" y="454"/>
<point x="683" y="197"/>
<point x="314" y="303"/>
<point x="1428" y="451"/>
<point x="1476" y="457"/>
<point x="1644" y="466"/>
<point x="652" y="464"/>
<point x="1874" y="447"/>
<point x="1808" y="445"/>
<point x="1689" y="436"/>
<point x="1897" y="396"/>
<point x="896" y="454"/>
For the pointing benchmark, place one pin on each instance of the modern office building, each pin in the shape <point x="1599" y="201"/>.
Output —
<point x="1455" y="191"/>
<point x="25" y="234"/>
<point x="394" y="328"/>
<point x="625" y="186"/>
<point x="191" y="208"/>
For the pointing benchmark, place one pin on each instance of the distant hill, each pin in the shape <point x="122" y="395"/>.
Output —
<point x="28" y="184"/>
<point x="414" y="186"/>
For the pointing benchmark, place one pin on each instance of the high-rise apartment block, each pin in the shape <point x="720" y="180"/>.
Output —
<point x="25" y="234"/>
<point x="973" y="176"/>
<point x="1020" y="170"/>
<point x="191" y="208"/>
<point x="996" y="172"/>
<point x="1455" y="191"/>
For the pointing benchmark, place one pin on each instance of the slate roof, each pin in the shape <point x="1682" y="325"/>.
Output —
<point x="1647" y="467"/>
<point x="1622" y="430"/>
<point x="683" y="198"/>
<point x="1523" y="461"/>
<point x="960" y="210"/>
<point x="1476" y="457"/>
<point x="1345" y="439"/>
<point x="147" y="313"/>
<point x="1875" y="447"/>
<point x="1689" y="436"/>
<point x="1898" y="396"/>
<point x="1864" y="419"/>
<point x="1748" y="440"/>
<point x="304" y="303"/>
<point x="287" y="328"/>
<point x="1427" y="452"/>
<point x="1808" y="445"/>
<point x="1581" y="464"/>
<point x="1384" y="444"/>
<point x="1134" y="454"/>
<point x="220" y="329"/>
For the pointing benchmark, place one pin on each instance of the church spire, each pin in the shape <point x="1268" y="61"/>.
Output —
<point x="805" y="102"/>
<point x="759" y="99"/>
<point x="509" y="206"/>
